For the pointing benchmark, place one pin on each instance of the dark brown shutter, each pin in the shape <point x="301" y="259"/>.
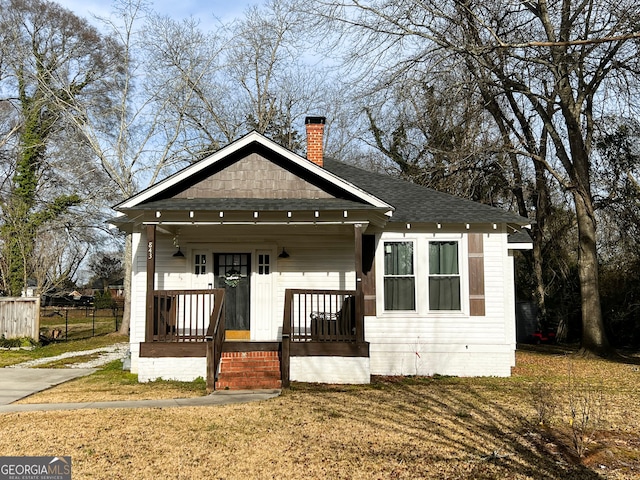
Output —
<point x="476" y="275"/>
<point x="369" y="274"/>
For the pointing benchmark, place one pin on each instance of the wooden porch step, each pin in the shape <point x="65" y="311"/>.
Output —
<point x="247" y="370"/>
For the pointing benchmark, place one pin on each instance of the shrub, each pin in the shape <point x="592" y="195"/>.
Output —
<point x="16" y="342"/>
<point x="586" y="411"/>
<point x="543" y="398"/>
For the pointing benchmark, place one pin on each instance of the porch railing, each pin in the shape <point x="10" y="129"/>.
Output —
<point x="183" y="315"/>
<point x="321" y="315"/>
<point x="215" y="339"/>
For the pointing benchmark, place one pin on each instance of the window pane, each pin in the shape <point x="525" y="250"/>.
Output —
<point x="444" y="293"/>
<point x="200" y="264"/>
<point x="263" y="264"/>
<point x="399" y="282"/>
<point x="398" y="258"/>
<point x="399" y="293"/>
<point x="443" y="258"/>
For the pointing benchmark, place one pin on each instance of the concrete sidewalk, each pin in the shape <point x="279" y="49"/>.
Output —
<point x="222" y="397"/>
<point x="17" y="383"/>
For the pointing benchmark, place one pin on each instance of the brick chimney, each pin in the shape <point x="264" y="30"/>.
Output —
<point x="315" y="140"/>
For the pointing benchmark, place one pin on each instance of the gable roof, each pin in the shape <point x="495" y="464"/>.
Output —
<point x="415" y="203"/>
<point x="249" y="143"/>
<point x="351" y="188"/>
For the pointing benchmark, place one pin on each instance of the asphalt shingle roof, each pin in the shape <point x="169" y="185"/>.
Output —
<point x="257" y="204"/>
<point x="521" y="236"/>
<point x="415" y="203"/>
<point x="411" y="203"/>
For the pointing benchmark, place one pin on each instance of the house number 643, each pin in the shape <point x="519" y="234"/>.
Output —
<point x="150" y="250"/>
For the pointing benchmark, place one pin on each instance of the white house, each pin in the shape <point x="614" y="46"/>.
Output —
<point x="256" y="266"/>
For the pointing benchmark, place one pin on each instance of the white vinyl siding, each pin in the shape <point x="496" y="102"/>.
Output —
<point x="427" y="341"/>
<point x="420" y="341"/>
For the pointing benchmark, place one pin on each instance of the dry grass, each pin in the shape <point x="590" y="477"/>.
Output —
<point x="113" y="384"/>
<point x="394" y="428"/>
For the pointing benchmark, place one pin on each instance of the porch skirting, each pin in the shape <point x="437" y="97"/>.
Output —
<point x="329" y="369"/>
<point x="182" y="369"/>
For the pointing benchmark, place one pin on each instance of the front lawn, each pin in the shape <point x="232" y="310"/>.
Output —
<point x="442" y="427"/>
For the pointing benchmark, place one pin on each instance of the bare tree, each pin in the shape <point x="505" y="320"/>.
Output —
<point x="47" y="55"/>
<point x="552" y="67"/>
<point x="141" y="137"/>
<point x="184" y="93"/>
<point x="249" y="74"/>
<point x="440" y="136"/>
<point x="263" y="58"/>
<point x="183" y="78"/>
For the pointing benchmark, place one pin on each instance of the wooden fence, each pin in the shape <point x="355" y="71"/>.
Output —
<point x="20" y="317"/>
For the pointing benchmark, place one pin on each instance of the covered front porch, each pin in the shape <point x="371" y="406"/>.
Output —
<point x="316" y="326"/>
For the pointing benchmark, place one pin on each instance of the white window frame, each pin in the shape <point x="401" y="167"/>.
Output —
<point x="414" y="275"/>
<point x="460" y="275"/>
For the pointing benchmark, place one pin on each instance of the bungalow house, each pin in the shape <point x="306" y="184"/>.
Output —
<point x="255" y="266"/>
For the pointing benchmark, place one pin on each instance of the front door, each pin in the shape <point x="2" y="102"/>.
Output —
<point x="232" y="272"/>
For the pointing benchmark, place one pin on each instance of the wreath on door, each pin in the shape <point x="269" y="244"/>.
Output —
<point x="232" y="278"/>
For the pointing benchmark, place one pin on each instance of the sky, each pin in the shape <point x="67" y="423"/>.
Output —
<point x="206" y="10"/>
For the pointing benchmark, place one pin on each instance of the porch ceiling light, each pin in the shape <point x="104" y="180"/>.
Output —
<point x="176" y="243"/>
<point x="283" y="254"/>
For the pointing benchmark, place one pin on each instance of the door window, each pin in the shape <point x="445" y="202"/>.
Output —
<point x="263" y="264"/>
<point x="200" y="264"/>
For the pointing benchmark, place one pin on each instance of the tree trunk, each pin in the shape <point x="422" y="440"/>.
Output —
<point x="542" y="212"/>
<point x="126" y="314"/>
<point x="594" y="338"/>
